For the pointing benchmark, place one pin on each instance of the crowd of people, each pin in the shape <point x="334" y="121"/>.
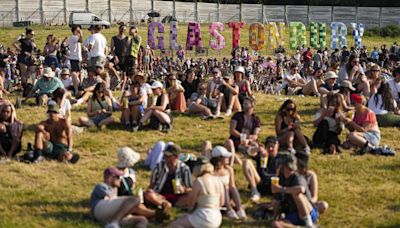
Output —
<point x="357" y="90"/>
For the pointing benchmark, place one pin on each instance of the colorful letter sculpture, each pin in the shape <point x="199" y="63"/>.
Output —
<point x="338" y="35"/>
<point x="318" y="35"/>
<point x="220" y="42"/>
<point x="193" y="36"/>
<point x="160" y="37"/>
<point x="277" y="34"/>
<point x="173" y="36"/>
<point x="358" y="33"/>
<point x="257" y="36"/>
<point x="297" y="35"/>
<point x="236" y="26"/>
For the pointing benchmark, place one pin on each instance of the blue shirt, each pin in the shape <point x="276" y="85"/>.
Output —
<point x="99" y="192"/>
<point x="47" y="87"/>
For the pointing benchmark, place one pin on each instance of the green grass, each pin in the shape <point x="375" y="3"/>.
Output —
<point x="362" y="190"/>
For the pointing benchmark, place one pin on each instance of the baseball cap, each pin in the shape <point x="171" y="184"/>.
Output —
<point x="65" y="71"/>
<point x="287" y="159"/>
<point x="239" y="69"/>
<point x="302" y="159"/>
<point x="112" y="171"/>
<point x="347" y="84"/>
<point x="356" y="98"/>
<point x="271" y="140"/>
<point x="220" y="151"/>
<point x="172" y="149"/>
<point x="53" y="107"/>
<point x="48" y="72"/>
<point x="156" y="84"/>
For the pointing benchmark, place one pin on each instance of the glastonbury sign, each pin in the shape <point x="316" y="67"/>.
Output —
<point x="257" y="33"/>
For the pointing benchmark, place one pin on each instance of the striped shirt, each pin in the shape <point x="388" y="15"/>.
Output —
<point x="160" y="174"/>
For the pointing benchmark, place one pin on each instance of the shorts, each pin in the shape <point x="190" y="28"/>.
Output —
<point x="172" y="198"/>
<point x="295" y="219"/>
<point x="76" y="65"/>
<point x="105" y="210"/>
<point x="54" y="150"/>
<point x="205" y="217"/>
<point x="130" y="65"/>
<point x="98" y="61"/>
<point x="98" y="118"/>
<point x="26" y="59"/>
<point x="372" y="137"/>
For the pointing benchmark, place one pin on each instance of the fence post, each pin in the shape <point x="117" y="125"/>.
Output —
<point x="357" y="14"/>
<point x="41" y="12"/>
<point x="87" y="5"/>
<point x="380" y="17"/>
<point x="152" y="5"/>
<point x="332" y="15"/>
<point x="262" y="14"/>
<point x="308" y="15"/>
<point x="196" y="11"/>
<point x="130" y="11"/>
<point x="218" y="5"/>
<point x="109" y="11"/>
<point x="285" y="14"/>
<point x="65" y="11"/>
<point x="240" y="12"/>
<point x="173" y="9"/>
<point x="17" y="10"/>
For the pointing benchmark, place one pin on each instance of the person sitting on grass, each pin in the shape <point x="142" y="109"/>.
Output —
<point x="109" y="208"/>
<point x="44" y="87"/>
<point x="53" y="138"/>
<point x="176" y="93"/>
<point x="292" y="196"/>
<point x="287" y="127"/>
<point x="245" y="127"/>
<point x="158" y="112"/>
<point x="220" y="159"/>
<point x="312" y="85"/>
<point x="10" y="131"/>
<point x="208" y="195"/>
<point x="131" y="108"/>
<point x="312" y="181"/>
<point x="385" y="107"/>
<point x="259" y="177"/>
<point x="365" y="133"/>
<point x="87" y="86"/>
<point x="200" y="104"/>
<point x="99" y="109"/>
<point x="229" y="100"/>
<point x="127" y="158"/>
<point x="171" y="181"/>
<point x="293" y="82"/>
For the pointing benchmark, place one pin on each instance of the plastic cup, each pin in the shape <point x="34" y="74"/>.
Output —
<point x="274" y="180"/>
<point x="243" y="138"/>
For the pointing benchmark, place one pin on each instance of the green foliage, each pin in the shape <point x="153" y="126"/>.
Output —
<point x="387" y="31"/>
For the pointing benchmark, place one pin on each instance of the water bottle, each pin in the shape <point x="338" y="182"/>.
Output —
<point x="140" y="195"/>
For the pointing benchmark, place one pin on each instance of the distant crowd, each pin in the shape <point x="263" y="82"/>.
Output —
<point x="358" y="91"/>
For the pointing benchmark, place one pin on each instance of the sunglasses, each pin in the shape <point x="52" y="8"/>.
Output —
<point x="290" y="109"/>
<point x="375" y="70"/>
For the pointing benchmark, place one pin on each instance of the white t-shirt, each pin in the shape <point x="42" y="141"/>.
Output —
<point x="145" y="89"/>
<point x="75" y="48"/>
<point x="377" y="107"/>
<point x="99" y="44"/>
<point x="86" y="45"/>
<point x="65" y="107"/>
<point x="295" y="77"/>
<point x="66" y="82"/>
<point x="394" y="87"/>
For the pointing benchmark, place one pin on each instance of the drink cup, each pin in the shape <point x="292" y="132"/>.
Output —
<point x="274" y="180"/>
<point x="176" y="184"/>
<point x="243" y="138"/>
<point x="126" y="101"/>
<point x="140" y="195"/>
<point x="350" y="114"/>
<point x="264" y="162"/>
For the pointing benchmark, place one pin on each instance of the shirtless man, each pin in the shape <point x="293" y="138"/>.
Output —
<point x="53" y="137"/>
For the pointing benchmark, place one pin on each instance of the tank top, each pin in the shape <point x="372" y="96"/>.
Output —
<point x="159" y="101"/>
<point x="96" y="106"/>
<point x="224" y="179"/>
<point x="26" y="45"/>
<point x="120" y="45"/>
<point x="207" y="199"/>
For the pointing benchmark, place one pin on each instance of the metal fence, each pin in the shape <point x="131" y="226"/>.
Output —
<point x="57" y="12"/>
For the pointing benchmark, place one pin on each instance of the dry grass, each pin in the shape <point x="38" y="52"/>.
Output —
<point x="361" y="190"/>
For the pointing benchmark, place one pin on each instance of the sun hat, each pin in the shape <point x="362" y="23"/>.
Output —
<point x="347" y="84"/>
<point x="220" y="151"/>
<point x="156" y="84"/>
<point x="48" y="72"/>
<point x="127" y="157"/>
<point x="53" y="107"/>
<point x="330" y="75"/>
<point x="65" y="71"/>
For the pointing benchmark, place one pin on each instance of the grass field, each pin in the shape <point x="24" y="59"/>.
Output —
<point x="362" y="190"/>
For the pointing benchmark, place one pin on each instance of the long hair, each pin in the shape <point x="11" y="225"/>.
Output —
<point x="98" y="87"/>
<point x="282" y="109"/>
<point x="349" y="67"/>
<point x="337" y="101"/>
<point x="387" y="97"/>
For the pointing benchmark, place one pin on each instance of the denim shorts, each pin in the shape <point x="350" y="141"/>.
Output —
<point x="373" y="137"/>
<point x="295" y="219"/>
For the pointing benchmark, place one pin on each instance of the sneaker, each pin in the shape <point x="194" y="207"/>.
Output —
<point x="39" y="159"/>
<point x="228" y="112"/>
<point x="232" y="214"/>
<point x="292" y="150"/>
<point x="255" y="196"/>
<point x="241" y="214"/>
<point x="307" y="150"/>
<point x="217" y="113"/>
<point x="135" y="128"/>
<point x="112" y="225"/>
<point x="365" y="149"/>
<point x="167" y="127"/>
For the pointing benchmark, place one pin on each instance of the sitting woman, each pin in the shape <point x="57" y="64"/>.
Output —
<point x="208" y="193"/>
<point x="201" y="105"/>
<point x="313" y="83"/>
<point x="374" y="78"/>
<point x="158" y="112"/>
<point x="220" y="159"/>
<point x="287" y="127"/>
<point x="366" y="133"/>
<point x="354" y="72"/>
<point x="10" y="131"/>
<point x="385" y="107"/>
<point x="229" y="100"/>
<point x="176" y="94"/>
<point x="329" y="125"/>
<point x="131" y="106"/>
<point x="99" y="109"/>
<point x="242" y="83"/>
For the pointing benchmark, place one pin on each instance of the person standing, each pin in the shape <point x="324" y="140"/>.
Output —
<point x="75" y="55"/>
<point x="134" y="47"/>
<point x="119" y="47"/>
<point x="98" y="49"/>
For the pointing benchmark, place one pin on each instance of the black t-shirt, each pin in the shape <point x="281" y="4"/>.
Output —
<point x="190" y="87"/>
<point x="125" y="189"/>
<point x="269" y="171"/>
<point x="26" y="45"/>
<point x="288" y="204"/>
<point x="168" y="188"/>
<point x="331" y="88"/>
<point x="2" y="63"/>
